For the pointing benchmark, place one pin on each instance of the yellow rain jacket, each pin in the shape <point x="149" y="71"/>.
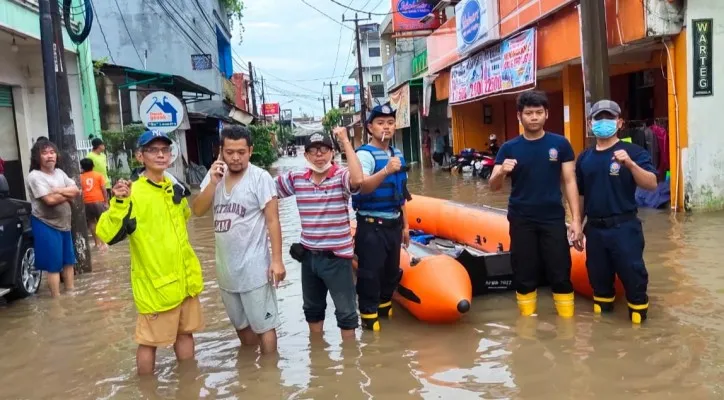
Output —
<point x="164" y="267"/>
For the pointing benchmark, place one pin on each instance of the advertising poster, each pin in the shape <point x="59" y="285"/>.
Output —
<point x="400" y="101"/>
<point x="476" y="24"/>
<point x="508" y="65"/>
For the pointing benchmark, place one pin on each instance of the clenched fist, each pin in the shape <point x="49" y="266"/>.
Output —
<point x="508" y="165"/>
<point x="341" y="134"/>
<point x="393" y="165"/>
<point x="122" y="189"/>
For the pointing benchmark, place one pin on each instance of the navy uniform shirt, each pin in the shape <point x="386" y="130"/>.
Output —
<point x="609" y="188"/>
<point x="536" y="192"/>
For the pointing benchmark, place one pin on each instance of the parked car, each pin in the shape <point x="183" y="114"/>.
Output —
<point x="18" y="276"/>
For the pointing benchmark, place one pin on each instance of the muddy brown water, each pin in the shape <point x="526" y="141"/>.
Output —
<point x="80" y="346"/>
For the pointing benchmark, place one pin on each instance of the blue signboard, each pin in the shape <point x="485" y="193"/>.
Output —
<point x="161" y="111"/>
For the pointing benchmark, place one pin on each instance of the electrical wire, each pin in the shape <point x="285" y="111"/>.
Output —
<point x="128" y="32"/>
<point x="326" y="15"/>
<point x="100" y="27"/>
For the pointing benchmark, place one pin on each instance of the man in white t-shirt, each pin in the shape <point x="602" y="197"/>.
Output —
<point x="244" y="199"/>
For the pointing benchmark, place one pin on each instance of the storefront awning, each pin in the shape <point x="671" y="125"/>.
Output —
<point x="218" y="109"/>
<point x="175" y="83"/>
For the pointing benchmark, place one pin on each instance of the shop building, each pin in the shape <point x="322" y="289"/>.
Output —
<point x="660" y="67"/>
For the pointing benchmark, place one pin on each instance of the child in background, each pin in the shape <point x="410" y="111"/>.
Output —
<point x="95" y="198"/>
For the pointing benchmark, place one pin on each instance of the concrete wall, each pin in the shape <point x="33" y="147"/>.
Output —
<point x="703" y="160"/>
<point x="154" y="33"/>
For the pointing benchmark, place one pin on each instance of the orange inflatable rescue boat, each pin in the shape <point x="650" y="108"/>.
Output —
<point x="434" y="287"/>
<point x="484" y="229"/>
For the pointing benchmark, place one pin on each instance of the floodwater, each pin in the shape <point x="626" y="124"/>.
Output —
<point x="80" y="346"/>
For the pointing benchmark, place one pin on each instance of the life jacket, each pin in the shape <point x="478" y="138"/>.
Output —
<point x="389" y="196"/>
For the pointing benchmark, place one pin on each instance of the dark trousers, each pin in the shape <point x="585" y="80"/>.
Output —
<point x="377" y="246"/>
<point x="616" y="248"/>
<point x="537" y="248"/>
<point x="324" y="272"/>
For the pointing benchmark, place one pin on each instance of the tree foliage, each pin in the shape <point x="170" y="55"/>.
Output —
<point x="332" y="119"/>
<point x="235" y="11"/>
<point x="264" y="153"/>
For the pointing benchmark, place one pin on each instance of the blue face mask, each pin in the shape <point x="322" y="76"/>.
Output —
<point x="604" y="128"/>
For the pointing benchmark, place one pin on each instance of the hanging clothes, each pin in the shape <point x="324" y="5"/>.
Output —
<point x="662" y="138"/>
<point x="652" y="145"/>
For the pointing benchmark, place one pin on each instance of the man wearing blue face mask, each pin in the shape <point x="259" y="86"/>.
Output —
<point x="607" y="176"/>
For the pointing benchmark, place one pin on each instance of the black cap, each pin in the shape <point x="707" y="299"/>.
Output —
<point x="317" y="139"/>
<point x="383" y="110"/>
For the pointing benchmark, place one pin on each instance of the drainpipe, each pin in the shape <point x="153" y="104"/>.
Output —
<point x="120" y="109"/>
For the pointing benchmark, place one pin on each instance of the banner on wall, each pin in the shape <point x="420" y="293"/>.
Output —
<point x="476" y="24"/>
<point x="508" y="65"/>
<point x="400" y="101"/>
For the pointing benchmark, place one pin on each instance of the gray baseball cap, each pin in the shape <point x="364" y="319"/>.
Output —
<point x="605" y="106"/>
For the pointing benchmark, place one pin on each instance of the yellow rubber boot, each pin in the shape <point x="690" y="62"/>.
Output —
<point x="385" y="310"/>
<point x="564" y="304"/>
<point x="638" y="312"/>
<point x="370" y="322"/>
<point x="527" y="303"/>
<point x="603" y="304"/>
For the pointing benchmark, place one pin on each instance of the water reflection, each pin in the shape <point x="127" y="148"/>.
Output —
<point x="81" y="347"/>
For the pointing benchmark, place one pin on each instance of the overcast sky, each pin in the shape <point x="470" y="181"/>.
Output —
<point x="294" y="48"/>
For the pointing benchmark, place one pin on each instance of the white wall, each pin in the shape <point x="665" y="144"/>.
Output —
<point x="24" y="72"/>
<point x="703" y="160"/>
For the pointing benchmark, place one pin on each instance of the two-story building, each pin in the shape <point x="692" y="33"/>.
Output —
<point x="180" y="47"/>
<point x="22" y="89"/>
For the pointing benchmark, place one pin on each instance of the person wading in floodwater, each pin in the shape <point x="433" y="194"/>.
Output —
<point x="607" y="177"/>
<point x="246" y="221"/>
<point x="323" y="191"/>
<point x="537" y="162"/>
<point x="165" y="273"/>
<point x="381" y="222"/>
<point x="51" y="192"/>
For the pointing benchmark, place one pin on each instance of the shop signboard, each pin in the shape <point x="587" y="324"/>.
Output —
<point x="270" y="109"/>
<point x="419" y="64"/>
<point x="161" y="111"/>
<point x="407" y="16"/>
<point x="390" y="74"/>
<point x="400" y="101"/>
<point x="702" y="47"/>
<point x="508" y="65"/>
<point x="476" y="24"/>
<point x="350" y="89"/>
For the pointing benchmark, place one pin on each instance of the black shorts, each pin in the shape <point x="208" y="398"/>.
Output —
<point x="540" y="250"/>
<point x="93" y="211"/>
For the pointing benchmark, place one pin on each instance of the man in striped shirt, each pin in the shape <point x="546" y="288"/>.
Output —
<point x="323" y="191"/>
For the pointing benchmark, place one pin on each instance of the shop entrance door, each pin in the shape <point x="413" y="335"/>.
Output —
<point x="414" y="138"/>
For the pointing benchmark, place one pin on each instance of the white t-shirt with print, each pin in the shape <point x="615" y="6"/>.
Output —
<point x="242" y="243"/>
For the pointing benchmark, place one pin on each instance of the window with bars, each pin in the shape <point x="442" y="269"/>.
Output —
<point x="201" y="61"/>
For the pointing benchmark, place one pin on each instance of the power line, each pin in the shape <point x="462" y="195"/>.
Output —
<point x="128" y="32"/>
<point x="100" y="26"/>
<point x="326" y="15"/>
<point x="363" y="11"/>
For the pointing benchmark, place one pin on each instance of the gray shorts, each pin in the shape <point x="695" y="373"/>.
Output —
<point x="256" y="309"/>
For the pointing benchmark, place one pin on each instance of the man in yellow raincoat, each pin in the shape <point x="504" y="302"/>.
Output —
<point x="166" y="276"/>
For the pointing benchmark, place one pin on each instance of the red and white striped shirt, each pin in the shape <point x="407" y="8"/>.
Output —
<point x="323" y="209"/>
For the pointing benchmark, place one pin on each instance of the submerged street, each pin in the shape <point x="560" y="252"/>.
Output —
<point x="81" y="346"/>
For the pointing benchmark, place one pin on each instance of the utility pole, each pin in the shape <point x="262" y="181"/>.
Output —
<point x="263" y="99"/>
<point x="331" y="95"/>
<point x="594" y="50"/>
<point x="324" y="104"/>
<point x="69" y="162"/>
<point x="363" y="106"/>
<point x="47" y="46"/>
<point x="253" y="92"/>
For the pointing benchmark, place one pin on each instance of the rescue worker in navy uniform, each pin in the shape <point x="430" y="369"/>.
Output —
<point x="607" y="176"/>
<point x="381" y="224"/>
<point x="538" y="162"/>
